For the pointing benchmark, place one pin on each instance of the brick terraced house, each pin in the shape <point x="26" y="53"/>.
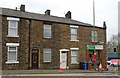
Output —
<point x="43" y="41"/>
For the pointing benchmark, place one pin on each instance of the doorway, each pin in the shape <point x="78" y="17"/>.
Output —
<point x="35" y="58"/>
<point x="63" y="58"/>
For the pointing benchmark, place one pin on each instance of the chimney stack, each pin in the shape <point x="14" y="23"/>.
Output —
<point x="47" y="12"/>
<point x="104" y="24"/>
<point x="68" y="15"/>
<point x="22" y="8"/>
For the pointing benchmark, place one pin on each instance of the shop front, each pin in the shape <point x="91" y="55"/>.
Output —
<point x="94" y="56"/>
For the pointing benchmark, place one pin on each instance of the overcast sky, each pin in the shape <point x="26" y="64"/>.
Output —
<point x="82" y="10"/>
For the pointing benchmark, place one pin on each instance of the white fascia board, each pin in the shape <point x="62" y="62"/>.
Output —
<point x="11" y="18"/>
<point x="12" y="44"/>
<point x="74" y="48"/>
<point x="73" y="26"/>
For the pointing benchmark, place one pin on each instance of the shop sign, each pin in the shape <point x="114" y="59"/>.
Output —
<point x="99" y="47"/>
<point x="90" y="46"/>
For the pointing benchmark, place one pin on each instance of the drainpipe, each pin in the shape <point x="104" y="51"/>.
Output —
<point x="29" y="24"/>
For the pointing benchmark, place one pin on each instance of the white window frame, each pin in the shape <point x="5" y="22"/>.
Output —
<point x="94" y="35"/>
<point x="47" y="53"/>
<point x="74" y="49"/>
<point x="48" y="29"/>
<point x="74" y="27"/>
<point x="12" y="45"/>
<point x="16" y="21"/>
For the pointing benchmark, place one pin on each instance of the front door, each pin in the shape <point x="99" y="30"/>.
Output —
<point x="63" y="60"/>
<point x="35" y="59"/>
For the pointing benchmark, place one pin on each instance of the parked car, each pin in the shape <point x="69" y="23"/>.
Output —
<point x="114" y="62"/>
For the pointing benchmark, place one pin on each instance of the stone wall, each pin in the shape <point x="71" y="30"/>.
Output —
<point x="60" y="40"/>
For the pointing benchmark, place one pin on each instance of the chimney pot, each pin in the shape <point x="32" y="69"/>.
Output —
<point x="68" y="15"/>
<point x="22" y="8"/>
<point x="47" y="12"/>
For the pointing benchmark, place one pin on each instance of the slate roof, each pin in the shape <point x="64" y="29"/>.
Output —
<point x="43" y="17"/>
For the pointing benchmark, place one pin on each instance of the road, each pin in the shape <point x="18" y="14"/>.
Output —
<point x="58" y="74"/>
<point x="62" y="77"/>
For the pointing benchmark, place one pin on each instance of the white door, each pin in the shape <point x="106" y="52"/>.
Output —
<point x="63" y="63"/>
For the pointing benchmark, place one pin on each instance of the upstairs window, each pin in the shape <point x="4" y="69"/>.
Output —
<point x="94" y="36"/>
<point x="47" y="31"/>
<point x="74" y="30"/>
<point x="12" y="27"/>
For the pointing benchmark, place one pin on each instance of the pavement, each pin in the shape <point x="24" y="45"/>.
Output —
<point x="70" y="73"/>
<point x="38" y="71"/>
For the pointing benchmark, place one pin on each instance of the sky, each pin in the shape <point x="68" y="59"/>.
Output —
<point x="82" y="10"/>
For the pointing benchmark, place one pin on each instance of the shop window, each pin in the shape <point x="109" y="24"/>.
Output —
<point x="98" y="57"/>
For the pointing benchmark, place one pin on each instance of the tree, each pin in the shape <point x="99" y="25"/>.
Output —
<point x="112" y="43"/>
<point x="119" y="43"/>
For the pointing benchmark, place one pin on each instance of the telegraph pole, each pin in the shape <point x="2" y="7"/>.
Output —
<point x="93" y="13"/>
<point x="94" y="31"/>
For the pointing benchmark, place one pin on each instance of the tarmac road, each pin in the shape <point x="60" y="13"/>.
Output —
<point x="61" y="77"/>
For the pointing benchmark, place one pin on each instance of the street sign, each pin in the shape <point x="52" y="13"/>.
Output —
<point x="93" y="57"/>
<point x="90" y="46"/>
<point x="99" y="47"/>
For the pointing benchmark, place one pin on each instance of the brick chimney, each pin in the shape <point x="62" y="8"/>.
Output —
<point x="22" y="8"/>
<point x="68" y="15"/>
<point x="47" y="12"/>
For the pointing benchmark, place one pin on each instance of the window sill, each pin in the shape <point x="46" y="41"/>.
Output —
<point x="12" y="36"/>
<point x="47" y="37"/>
<point x="75" y="40"/>
<point x="8" y="62"/>
<point x="74" y="63"/>
<point x="47" y="61"/>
